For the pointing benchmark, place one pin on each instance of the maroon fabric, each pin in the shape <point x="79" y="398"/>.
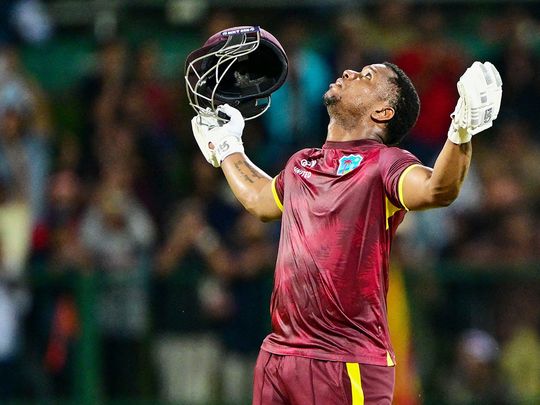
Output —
<point x="222" y="36"/>
<point x="292" y="380"/>
<point x="219" y="37"/>
<point x="331" y="279"/>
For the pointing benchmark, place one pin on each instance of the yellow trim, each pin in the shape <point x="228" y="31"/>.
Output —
<point x="353" y="369"/>
<point x="276" y="197"/>
<point x="391" y="209"/>
<point x="400" y="184"/>
<point x="389" y="361"/>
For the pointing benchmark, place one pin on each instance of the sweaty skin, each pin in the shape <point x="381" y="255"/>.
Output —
<point x="358" y="109"/>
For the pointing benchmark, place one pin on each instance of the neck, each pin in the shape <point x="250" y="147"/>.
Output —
<point x="338" y="132"/>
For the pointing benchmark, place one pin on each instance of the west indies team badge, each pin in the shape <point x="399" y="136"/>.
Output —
<point x="348" y="164"/>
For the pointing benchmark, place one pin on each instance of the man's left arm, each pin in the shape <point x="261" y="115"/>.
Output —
<point x="423" y="187"/>
<point x="480" y="90"/>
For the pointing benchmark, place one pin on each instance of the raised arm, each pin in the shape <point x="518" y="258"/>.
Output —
<point x="251" y="186"/>
<point x="423" y="187"/>
<point x="222" y="146"/>
<point x="480" y="90"/>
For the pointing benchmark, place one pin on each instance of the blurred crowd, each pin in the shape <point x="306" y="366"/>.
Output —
<point x="182" y="275"/>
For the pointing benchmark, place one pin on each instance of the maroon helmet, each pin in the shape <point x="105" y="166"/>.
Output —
<point x="240" y="66"/>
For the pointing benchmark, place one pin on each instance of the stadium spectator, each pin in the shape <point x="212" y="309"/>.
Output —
<point x="24" y="161"/>
<point x="520" y="349"/>
<point x="118" y="234"/>
<point x="147" y="109"/>
<point x="190" y="296"/>
<point x="14" y="302"/>
<point x="24" y="166"/>
<point x="249" y="283"/>
<point x="58" y="253"/>
<point x="474" y="378"/>
<point x="99" y="93"/>
<point x="63" y="220"/>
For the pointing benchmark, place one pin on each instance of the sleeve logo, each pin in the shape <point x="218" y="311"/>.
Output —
<point x="348" y="164"/>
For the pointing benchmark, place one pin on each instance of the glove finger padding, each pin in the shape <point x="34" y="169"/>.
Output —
<point x="480" y="90"/>
<point x="223" y="130"/>
<point x="201" y="127"/>
<point x="480" y="87"/>
<point x="496" y="89"/>
<point x="226" y="137"/>
<point x="236" y="122"/>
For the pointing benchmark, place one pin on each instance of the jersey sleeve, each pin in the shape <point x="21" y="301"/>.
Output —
<point x="394" y="163"/>
<point x="278" y="189"/>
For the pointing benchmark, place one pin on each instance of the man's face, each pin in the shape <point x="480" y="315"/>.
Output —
<point x="360" y="92"/>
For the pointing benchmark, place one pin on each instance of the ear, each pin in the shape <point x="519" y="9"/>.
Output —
<point x="385" y="114"/>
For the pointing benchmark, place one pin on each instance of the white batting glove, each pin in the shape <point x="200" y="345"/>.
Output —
<point x="227" y="138"/>
<point x="480" y="90"/>
<point x="201" y="125"/>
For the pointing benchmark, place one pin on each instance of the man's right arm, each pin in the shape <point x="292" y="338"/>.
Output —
<point x="251" y="186"/>
<point x="221" y="145"/>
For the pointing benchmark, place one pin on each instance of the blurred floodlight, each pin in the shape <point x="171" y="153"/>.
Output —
<point x="185" y="11"/>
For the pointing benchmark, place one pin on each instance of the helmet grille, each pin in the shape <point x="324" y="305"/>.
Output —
<point x="242" y="70"/>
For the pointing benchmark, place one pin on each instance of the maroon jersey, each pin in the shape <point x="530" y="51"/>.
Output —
<point x="341" y="206"/>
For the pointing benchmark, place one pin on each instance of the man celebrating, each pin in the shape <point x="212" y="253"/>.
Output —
<point x="340" y="206"/>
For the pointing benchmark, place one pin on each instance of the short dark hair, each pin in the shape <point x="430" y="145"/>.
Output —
<point x="406" y="105"/>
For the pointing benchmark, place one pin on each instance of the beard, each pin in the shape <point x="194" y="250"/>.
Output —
<point x="346" y="113"/>
<point x="330" y="99"/>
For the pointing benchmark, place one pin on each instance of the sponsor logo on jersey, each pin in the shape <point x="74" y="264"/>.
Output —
<point x="302" y="173"/>
<point x="308" y="163"/>
<point x="348" y="164"/>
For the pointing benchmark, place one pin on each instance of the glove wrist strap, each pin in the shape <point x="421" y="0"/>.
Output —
<point x="227" y="146"/>
<point x="459" y="135"/>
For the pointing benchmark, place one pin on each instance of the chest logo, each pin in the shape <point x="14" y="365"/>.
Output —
<point x="348" y="164"/>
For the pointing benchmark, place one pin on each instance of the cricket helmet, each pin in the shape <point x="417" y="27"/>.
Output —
<point x="240" y="66"/>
